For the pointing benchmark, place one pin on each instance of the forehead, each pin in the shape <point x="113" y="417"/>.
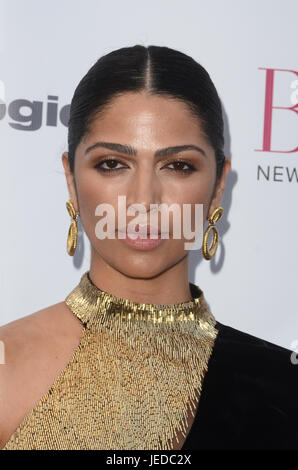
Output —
<point x="141" y="116"/>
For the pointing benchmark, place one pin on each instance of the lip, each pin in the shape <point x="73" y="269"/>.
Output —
<point x="144" y="230"/>
<point x="140" y="243"/>
<point x="143" y="243"/>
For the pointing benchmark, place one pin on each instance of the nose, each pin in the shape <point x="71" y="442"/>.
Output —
<point x="145" y="189"/>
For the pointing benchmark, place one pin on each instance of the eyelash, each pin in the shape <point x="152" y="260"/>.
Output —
<point x="189" y="170"/>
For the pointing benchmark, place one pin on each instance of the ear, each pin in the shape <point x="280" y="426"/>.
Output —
<point x="218" y="194"/>
<point x="70" y="181"/>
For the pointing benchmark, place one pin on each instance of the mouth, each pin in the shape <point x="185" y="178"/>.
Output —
<point x="142" y="232"/>
<point x="142" y="240"/>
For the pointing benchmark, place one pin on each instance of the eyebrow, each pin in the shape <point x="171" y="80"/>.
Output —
<point x="128" y="150"/>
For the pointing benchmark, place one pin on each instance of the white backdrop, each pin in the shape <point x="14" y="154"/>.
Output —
<point x="250" y="49"/>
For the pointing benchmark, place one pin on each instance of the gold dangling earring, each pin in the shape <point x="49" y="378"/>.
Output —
<point x="215" y="216"/>
<point x="72" y="237"/>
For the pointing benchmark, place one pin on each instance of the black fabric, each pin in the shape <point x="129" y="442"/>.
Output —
<point x="194" y="290"/>
<point x="249" y="397"/>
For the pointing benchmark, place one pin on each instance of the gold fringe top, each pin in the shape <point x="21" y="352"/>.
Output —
<point x="137" y="369"/>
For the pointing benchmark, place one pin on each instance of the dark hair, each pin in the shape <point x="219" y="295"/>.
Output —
<point x="157" y="70"/>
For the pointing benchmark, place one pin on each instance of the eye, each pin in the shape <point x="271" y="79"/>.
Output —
<point x="112" y="165"/>
<point x="112" y="162"/>
<point x="180" y="166"/>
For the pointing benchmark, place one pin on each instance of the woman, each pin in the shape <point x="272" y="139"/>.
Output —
<point x="133" y="358"/>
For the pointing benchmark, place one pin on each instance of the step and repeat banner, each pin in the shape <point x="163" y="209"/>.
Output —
<point x="250" y="50"/>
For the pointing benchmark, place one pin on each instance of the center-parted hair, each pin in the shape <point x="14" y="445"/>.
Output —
<point x="157" y="70"/>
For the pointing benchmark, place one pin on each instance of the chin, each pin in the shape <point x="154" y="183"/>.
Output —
<point x="138" y="266"/>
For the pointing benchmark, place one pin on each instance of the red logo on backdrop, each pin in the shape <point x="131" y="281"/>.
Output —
<point x="269" y="87"/>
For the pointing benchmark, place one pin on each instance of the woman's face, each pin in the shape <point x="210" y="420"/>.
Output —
<point x="146" y="124"/>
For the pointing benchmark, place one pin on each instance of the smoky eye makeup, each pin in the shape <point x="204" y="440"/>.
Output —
<point x="114" y="164"/>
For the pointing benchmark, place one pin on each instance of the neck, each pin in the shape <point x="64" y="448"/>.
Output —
<point x="169" y="287"/>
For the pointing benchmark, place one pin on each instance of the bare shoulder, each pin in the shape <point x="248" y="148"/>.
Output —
<point x="57" y="317"/>
<point x="35" y="349"/>
<point x="47" y="329"/>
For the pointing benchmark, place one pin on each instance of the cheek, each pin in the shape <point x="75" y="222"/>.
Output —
<point x="91" y="193"/>
<point x="198" y="191"/>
